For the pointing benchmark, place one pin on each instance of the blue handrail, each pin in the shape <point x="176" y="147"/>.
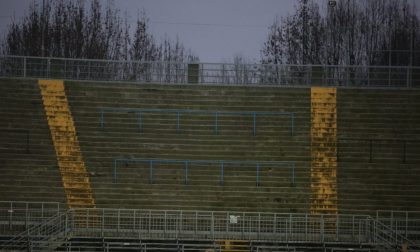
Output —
<point x="258" y="165"/>
<point x="178" y="112"/>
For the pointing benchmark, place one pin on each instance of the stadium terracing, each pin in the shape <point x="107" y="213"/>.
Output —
<point x="163" y="156"/>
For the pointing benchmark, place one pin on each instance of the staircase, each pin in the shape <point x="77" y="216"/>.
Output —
<point x="74" y="176"/>
<point x="324" y="151"/>
<point x="44" y="236"/>
<point x="233" y="245"/>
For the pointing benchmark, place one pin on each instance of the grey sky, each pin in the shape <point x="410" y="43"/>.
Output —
<point x="213" y="29"/>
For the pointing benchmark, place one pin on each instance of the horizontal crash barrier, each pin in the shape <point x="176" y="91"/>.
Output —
<point x="216" y="115"/>
<point x="222" y="164"/>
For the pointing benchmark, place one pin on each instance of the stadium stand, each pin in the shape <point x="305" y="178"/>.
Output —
<point x="120" y="166"/>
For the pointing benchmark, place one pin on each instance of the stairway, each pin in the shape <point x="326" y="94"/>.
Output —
<point x="75" y="179"/>
<point x="324" y="151"/>
<point x="233" y="245"/>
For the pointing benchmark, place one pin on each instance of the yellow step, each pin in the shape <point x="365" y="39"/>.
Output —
<point x="75" y="178"/>
<point x="324" y="150"/>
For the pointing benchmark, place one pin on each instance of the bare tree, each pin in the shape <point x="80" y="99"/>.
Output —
<point x="354" y="32"/>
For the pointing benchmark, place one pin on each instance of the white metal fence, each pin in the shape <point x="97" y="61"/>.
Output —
<point x="17" y="216"/>
<point x="155" y="224"/>
<point x="210" y="73"/>
<point x="209" y="225"/>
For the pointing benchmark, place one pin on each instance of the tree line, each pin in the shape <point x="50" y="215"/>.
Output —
<point x="72" y="29"/>
<point x="351" y="32"/>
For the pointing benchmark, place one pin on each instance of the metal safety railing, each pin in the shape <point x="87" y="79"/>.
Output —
<point x="374" y="149"/>
<point x="16" y="216"/>
<point x="216" y="115"/>
<point x="382" y="232"/>
<point x="210" y="73"/>
<point x="223" y="165"/>
<point x="156" y="224"/>
<point x="134" y="245"/>
<point x="405" y="223"/>
<point x="41" y="236"/>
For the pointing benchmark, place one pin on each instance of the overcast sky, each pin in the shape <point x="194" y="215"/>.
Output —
<point x="213" y="29"/>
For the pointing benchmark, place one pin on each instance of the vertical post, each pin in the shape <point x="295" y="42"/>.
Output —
<point x="389" y="75"/>
<point x="103" y="222"/>
<point x="180" y="223"/>
<point x="165" y="224"/>
<point x="24" y="67"/>
<point x="347" y="75"/>
<point x="293" y="174"/>
<point x="196" y="222"/>
<point x="306" y="227"/>
<point x="337" y="223"/>
<point x="177" y="122"/>
<point x="322" y="229"/>
<point x="115" y="170"/>
<point x="134" y="220"/>
<point x="258" y="175"/>
<point x="150" y="221"/>
<point x="216" y="118"/>
<point x="186" y="172"/>
<point x="290" y="228"/>
<point x="66" y="225"/>
<point x="151" y="172"/>
<point x="255" y="123"/>
<point x="139" y="122"/>
<point x="48" y="67"/>
<point x="292" y="129"/>
<point x="211" y="224"/>
<point x="243" y="226"/>
<point x="227" y="224"/>
<point x="286" y="227"/>
<point x="406" y="225"/>
<point x="118" y="220"/>
<point x="259" y="225"/>
<point x="275" y="224"/>
<point x="101" y="119"/>
<point x="222" y="172"/>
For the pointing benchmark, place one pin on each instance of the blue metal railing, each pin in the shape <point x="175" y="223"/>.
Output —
<point x="216" y="115"/>
<point x="222" y="163"/>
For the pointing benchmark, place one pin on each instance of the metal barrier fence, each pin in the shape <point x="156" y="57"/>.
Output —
<point x="129" y="245"/>
<point x="216" y="115"/>
<point x="16" y="216"/>
<point x="44" y="235"/>
<point x="280" y="228"/>
<point x="405" y="223"/>
<point x="405" y="151"/>
<point x="187" y="165"/>
<point x="209" y="73"/>
<point x="155" y="224"/>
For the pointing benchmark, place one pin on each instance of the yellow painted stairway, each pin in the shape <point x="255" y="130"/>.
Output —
<point x="233" y="245"/>
<point x="75" y="178"/>
<point x="324" y="198"/>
